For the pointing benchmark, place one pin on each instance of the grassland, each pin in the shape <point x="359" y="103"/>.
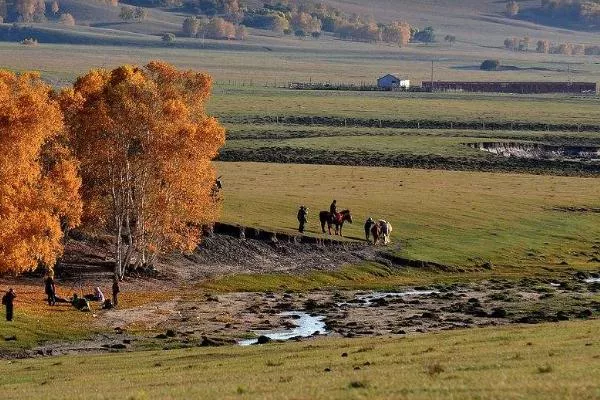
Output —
<point x="556" y="361"/>
<point x="450" y="217"/>
<point x="390" y="141"/>
<point x="412" y="106"/>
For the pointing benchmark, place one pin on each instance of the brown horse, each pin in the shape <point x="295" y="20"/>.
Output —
<point x="337" y="220"/>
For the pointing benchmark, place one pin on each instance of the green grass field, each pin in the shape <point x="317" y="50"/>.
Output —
<point x="422" y="142"/>
<point x="239" y="102"/>
<point x="551" y="361"/>
<point x="460" y="218"/>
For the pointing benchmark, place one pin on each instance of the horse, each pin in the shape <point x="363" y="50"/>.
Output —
<point x="338" y="221"/>
<point x="381" y="230"/>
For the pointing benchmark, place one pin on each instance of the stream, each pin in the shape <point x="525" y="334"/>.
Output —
<point x="306" y="326"/>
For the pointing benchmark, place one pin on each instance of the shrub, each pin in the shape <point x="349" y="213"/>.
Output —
<point x="427" y="35"/>
<point x="358" y="384"/>
<point x="29" y="42"/>
<point x="241" y="33"/>
<point x="490" y="65"/>
<point x="67" y="19"/>
<point x="435" y="369"/>
<point x="512" y="8"/>
<point x="168" y="37"/>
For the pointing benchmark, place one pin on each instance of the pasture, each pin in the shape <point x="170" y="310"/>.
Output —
<point x="479" y="225"/>
<point x="548" y="361"/>
<point x="517" y="222"/>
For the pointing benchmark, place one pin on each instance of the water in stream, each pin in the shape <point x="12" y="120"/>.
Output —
<point x="306" y="326"/>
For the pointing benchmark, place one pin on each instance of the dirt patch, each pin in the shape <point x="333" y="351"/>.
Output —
<point x="577" y="209"/>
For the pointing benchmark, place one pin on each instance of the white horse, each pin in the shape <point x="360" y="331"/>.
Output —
<point x="381" y="230"/>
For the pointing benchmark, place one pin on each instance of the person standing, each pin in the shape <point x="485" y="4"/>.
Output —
<point x="115" y="291"/>
<point x="8" y="301"/>
<point x="302" y="218"/>
<point x="50" y="289"/>
<point x="368" y="224"/>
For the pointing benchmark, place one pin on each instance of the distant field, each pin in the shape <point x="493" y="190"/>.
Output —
<point x="457" y="218"/>
<point x="436" y="106"/>
<point x="550" y="361"/>
<point x="410" y="141"/>
<point x="275" y="61"/>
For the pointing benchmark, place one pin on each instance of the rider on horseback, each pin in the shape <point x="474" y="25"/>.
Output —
<point x="333" y="211"/>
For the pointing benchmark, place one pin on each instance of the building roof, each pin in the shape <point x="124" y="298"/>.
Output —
<point x="393" y="76"/>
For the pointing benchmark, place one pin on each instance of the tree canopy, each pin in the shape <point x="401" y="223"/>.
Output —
<point x="39" y="191"/>
<point x="145" y="145"/>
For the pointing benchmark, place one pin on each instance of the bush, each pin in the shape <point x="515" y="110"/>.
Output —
<point x="427" y="35"/>
<point x="29" y="42"/>
<point x="168" y="37"/>
<point x="67" y="19"/>
<point x="490" y="65"/>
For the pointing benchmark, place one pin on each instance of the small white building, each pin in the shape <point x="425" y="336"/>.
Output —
<point x="392" y="82"/>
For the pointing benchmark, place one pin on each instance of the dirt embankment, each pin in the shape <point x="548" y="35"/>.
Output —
<point x="490" y="163"/>
<point x="412" y="124"/>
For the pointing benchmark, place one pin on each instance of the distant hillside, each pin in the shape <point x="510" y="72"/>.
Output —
<point x="473" y="24"/>
<point x="572" y="14"/>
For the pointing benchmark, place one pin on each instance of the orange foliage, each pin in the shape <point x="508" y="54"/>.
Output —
<point x="145" y="145"/>
<point x="39" y="189"/>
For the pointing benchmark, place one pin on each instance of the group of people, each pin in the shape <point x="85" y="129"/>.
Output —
<point x="81" y="303"/>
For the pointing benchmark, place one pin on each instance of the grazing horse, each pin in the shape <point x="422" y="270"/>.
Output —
<point x="337" y="220"/>
<point x="381" y="230"/>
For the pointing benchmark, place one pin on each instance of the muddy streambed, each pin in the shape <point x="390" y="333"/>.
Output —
<point x="539" y="151"/>
<point x="205" y="319"/>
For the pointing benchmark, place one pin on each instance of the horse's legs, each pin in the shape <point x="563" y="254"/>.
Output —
<point x="329" y="228"/>
<point x="323" y="226"/>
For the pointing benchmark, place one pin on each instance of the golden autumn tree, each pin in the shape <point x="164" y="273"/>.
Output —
<point x="146" y="146"/>
<point x="39" y="185"/>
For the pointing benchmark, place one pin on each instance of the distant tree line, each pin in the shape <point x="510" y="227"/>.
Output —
<point x="301" y="18"/>
<point x="586" y="12"/>
<point x="213" y="28"/>
<point x="546" y="47"/>
<point x="38" y="11"/>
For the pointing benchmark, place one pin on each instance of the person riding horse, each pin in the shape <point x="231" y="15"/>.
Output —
<point x="333" y="209"/>
<point x="302" y="218"/>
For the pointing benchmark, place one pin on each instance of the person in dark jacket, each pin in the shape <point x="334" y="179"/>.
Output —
<point x="50" y="289"/>
<point x="115" y="291"/>
<point x="8" y="301"/>
<point x="302" y="218"/>
<point x="333" y="208"/>
<point x="368" y="224"/>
